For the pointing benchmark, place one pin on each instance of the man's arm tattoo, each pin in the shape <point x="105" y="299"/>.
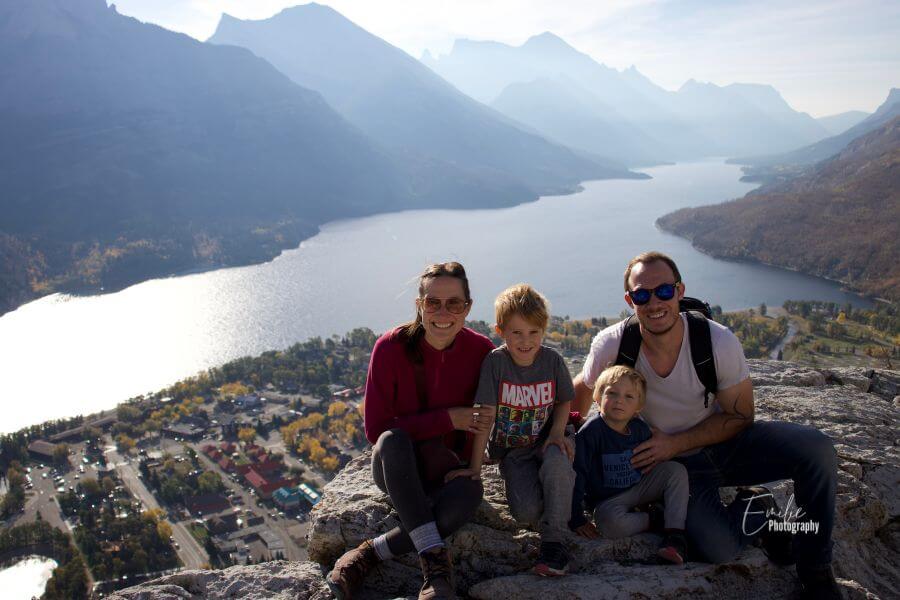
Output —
<point x="735" y="413"/>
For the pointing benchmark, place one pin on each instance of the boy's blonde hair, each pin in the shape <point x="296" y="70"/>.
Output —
<point x="523" y="300"/>
<point x="614" y="374"/>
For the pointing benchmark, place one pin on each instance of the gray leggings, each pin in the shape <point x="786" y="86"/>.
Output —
<point x="395" y="470"/>
<point x="667" y="481"/>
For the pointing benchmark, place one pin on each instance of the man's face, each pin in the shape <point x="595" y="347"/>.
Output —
<point x="657" y="316"/>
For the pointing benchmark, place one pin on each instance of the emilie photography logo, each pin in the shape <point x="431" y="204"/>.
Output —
<point x="786" y="520"/>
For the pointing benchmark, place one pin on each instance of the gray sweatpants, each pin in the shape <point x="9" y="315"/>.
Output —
<point x="668" y="481"/>
<point x="539" y="489"/>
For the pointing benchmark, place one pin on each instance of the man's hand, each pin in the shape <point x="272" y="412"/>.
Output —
<point x="559" y="440"/>
<point x="588" y="530"/>
<point x="470" y="473"/>
<point x="659" y="448"/>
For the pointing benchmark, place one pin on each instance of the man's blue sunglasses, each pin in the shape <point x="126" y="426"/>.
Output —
<point x="642" y="296"/>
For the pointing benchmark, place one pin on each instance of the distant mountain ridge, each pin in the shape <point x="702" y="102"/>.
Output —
<point x="129" y="151"/>
<point x="697" y="120"/>
<point x="841" y="122"/>
<point x="403" y="105"/>
<point x="830" y="146"/>
<point x="841" y="220"/>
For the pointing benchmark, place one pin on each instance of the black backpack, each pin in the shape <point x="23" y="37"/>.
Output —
<point x="698" y="314"/>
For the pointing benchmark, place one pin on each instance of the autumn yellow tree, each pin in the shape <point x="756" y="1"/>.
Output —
<point x="289" y="434"/>
<point x="124" y="443"/>
<point x="247" y="435"/>
<point x="337" y="408"/>
<point x="164" y="530"/>
<point x="311" y="421"/>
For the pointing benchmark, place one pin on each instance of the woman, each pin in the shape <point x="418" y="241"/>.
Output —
<point x="418" y="409"/>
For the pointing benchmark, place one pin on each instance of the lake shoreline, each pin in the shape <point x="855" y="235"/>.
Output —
<point x="81" y="290"/>
<point x="108" y="347"/>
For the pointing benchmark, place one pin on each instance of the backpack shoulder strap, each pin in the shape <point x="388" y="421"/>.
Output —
<point x="630" y="344"/>
<point x="702" y="353"/>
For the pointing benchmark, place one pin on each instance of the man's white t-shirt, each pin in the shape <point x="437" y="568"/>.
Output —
<point x="674" y="403"/>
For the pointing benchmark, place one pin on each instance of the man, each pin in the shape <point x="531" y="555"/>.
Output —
<point x="718" y="441"/>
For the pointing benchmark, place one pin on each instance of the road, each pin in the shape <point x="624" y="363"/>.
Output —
<point x="191" y="553"/>
<point x="791" y="332"/>
<point x="277" y="525"/>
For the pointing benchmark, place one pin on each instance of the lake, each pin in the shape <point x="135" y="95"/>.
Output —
<point x="64" y="355"/>
<point x="26" y="579"/>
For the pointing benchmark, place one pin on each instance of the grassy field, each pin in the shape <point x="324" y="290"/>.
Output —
<point x="844" y="344"/>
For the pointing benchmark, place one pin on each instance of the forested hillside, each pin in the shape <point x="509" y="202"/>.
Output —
<point x="841" y="220"/>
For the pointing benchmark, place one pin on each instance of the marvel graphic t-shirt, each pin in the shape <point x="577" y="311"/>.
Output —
<point x="524" y="396"/>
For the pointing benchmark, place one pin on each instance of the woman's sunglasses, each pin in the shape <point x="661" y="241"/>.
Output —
<point x="456" y="306"/>
<point x="642" y="296"/>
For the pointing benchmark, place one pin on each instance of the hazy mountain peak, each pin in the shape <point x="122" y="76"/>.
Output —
<point x="310" y="9"/>
<point x="893" y="96"/>
<point x="693" y="85"/>
<point x="311" y="14"/>
<point x="464" y="45"/>
<point x="21" y="19"/>
<point x="546" y="41"/>
<point x="228" y="23"/>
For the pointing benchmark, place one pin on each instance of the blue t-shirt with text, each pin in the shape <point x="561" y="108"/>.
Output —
<point x="603" y="463"/>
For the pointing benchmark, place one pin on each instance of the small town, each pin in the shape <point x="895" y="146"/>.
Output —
<point x="190" y="478"/>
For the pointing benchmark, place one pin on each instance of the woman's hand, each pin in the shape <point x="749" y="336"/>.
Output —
<point x="472" y="419"/>
<point x="470" y="473"/>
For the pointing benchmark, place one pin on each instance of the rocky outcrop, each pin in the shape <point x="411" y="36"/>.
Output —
<point x="276" y="580"/>
<point x="493" y="554"/>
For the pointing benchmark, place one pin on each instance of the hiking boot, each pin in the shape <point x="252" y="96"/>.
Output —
<point x="777" y="545"/>
<point x="818" y="584"/>
<point x="553" y="560"/>
<point x="350" y="570"/>
<point x="438" y="573"/>
<point x="673" y="548"/>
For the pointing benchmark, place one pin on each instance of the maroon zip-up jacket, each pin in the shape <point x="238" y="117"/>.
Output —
<point x="451" y="378"/>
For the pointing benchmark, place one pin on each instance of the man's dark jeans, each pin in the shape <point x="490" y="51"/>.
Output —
<point x="763" y="452"/>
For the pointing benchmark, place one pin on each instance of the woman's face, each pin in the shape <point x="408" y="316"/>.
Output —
<point x="442" y="325"/>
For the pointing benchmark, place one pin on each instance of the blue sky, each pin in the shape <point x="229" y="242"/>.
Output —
<point x="824" y="56"/>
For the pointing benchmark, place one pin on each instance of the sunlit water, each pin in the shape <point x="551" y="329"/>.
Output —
<point x="26" y="579"/>
<point x="62" y="355"/>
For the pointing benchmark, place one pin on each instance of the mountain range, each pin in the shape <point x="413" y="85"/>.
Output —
<point x="396" y="100"/>
<point x="129" y="151"/>
<point x="700" y="119"/>
<point x="839" y="220"/>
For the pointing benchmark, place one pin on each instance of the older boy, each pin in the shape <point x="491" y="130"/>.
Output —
<point x="532" y="388"/>
<point x="604" y="474"/>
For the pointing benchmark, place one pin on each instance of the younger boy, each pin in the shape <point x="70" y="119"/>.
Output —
<point x="606" y="479"/>
<point x="532" y="389"/>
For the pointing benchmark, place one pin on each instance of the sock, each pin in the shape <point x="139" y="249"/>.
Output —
<point x="381" y="548"/>
<point x="425" y="537"/>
